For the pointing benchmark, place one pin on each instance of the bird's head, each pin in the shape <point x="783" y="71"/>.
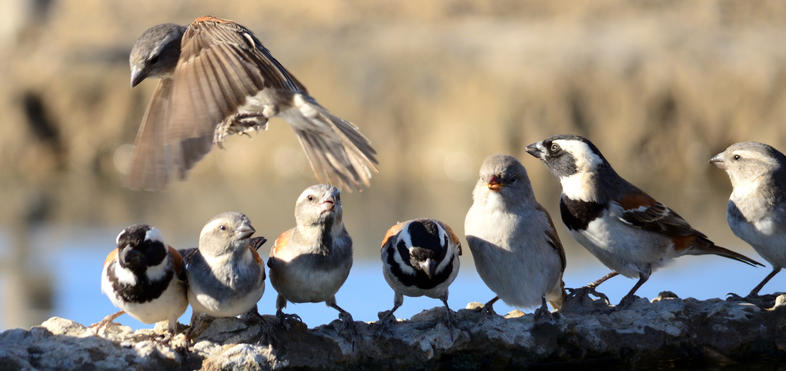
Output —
<point x="156" y="52"/>
<point x="319" y="205"/>
<point x="747" y="162"/>
<point x="226" y="232"/>
<point x="140" y="246"/>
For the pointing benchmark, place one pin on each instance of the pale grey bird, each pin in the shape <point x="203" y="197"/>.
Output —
<point x="757" y="206"/>
<point x="626" y="229"/>
<point x="226" y="276"/>
<point x="420" y="257"/>
<point x="310" y="262"/>
<point x="516" y="249"/>
<point x="217" y="79"/>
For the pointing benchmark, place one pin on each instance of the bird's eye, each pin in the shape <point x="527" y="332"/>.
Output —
<point x="513" y="180"/>
<point x="310" y="198"/>
<point x="554" y="147"/>
<point x="737" y="157"/>
<point x="222" y="227"/>
<point x="153" y="59"/>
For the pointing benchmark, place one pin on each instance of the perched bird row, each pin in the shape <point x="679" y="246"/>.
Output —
<point x="514" y="243"/>
<point x="217" y="79"/>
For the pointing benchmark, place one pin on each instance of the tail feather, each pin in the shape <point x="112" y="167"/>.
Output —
<point x="708" y="247"/>
<point x="336" y="150"/>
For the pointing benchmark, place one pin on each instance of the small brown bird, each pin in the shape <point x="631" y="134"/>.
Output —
<point x="216" y="80"/>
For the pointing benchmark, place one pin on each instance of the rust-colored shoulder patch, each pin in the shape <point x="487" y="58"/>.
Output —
<point x="111" y="257"/>
<point x="177" y="260"/>
<point x="281" y="241"/>
<point x="636" y="200"/>
<point x="255" y="254"/>
<point x="392" y="231"/>
<point x="210" y="18"/>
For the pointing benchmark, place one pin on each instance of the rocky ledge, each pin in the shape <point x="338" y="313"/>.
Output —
<point x="667" y="332"/>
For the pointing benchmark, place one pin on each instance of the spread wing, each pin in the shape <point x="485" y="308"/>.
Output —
<point x="221" y="63"/>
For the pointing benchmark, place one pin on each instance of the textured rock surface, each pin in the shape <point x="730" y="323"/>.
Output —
<point x="666" y="333"/>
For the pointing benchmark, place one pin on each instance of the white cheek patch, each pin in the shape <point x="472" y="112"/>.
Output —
<point x="124" y="276"/>
<point x="404" y="236"/>
<point x="578" y="187"/>
<point x="159" y="271"/>
<point x="153" y="234"/>
<point x="586" y="159"/>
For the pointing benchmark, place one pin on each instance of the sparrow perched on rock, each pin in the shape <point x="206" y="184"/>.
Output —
<point x="516" y="249"/>
<point x="217" y="79"/>
<point x="757" y="206"/>
<point x="310" y="262"/>
<point x="420" y="257"/>
<point x="226" y="276"/>
<point x="625" y="228"/>
<point x="144" y="277"/>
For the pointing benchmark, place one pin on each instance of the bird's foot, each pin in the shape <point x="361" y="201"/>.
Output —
<point x="734" y="297"/>
<point x="542" y="314"/>
<point x="386" y="322"/>
<point x="627" y="301"/>
<point x="288" y="321"/>
<point x="347" y="328"/>
<point x="583" y="294"/>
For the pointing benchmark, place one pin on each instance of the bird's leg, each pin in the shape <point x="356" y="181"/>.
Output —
<point x="107" y="320"/>
<point x="196" y="326"/>
<point x="543" y="311"/>
<point x="605" y="278"/>
<point x="283" y="318"/>
<point x="347" y="323"/>
<point x="755" y="291"/>
<point x="267" y="330"/>
<point x="386" y="318"/>
<point x="450" y="319"/>
<point x="590" y="289"/>
<point x="488" y="308"/>
<point x="629" y="298"/>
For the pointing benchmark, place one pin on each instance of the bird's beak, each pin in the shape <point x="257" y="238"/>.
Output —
<point x="431" y="270"/>
<point x="493" y="183"/>
<point x="717" y="160"/>
<point x="328" y="203"/>
<point x="534" y="150"/>
<point x="136" y="76"/>
<point x="244" y="231"/>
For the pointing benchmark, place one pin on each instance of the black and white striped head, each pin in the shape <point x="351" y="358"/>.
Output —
<point x="155" y="52"/>
<point x="319" y="205"/>
<point x="140" y="247"/>
<point x="421" y="251"/>
<point x="567" y="155"/>
<point x="747" y="162"/>
<point x="503" y="175"/>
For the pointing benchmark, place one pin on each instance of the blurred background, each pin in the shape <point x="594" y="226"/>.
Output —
<point x="660" y="86"/>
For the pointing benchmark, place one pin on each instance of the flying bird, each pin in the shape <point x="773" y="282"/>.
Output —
<point x="217" y="79"/>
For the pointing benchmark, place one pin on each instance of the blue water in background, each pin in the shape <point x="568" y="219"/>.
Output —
<point x="78" y="294"/>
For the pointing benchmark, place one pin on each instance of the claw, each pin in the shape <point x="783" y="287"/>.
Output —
<point x="288" y="320"/>
<point x="627" y="301"/>
<point x="585" y="292"/>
